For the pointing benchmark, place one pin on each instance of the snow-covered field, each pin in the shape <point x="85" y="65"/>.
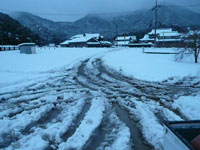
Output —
<point x="103" y="99"/>
<point x="16" y="67"/>
<point x="151" y="67"/>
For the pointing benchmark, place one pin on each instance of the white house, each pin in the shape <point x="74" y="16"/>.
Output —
<point x="165" y="37"/>
<point x="124" y="40"/>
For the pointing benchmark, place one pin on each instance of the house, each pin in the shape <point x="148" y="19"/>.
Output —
<point x="182" y="135"/>
<point x="27" y="48"/>
<point x="164" y="38"/>
<point x="105" y="44"/>
<point x="124" y="40"/>
<point x="83" y="40"/>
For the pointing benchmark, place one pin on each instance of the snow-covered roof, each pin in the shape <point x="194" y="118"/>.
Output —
<point x="162" y="33"/>
<point x="159" y="31"/>
<point x="65" y="42"/>
<point x="165" y="32"/>
<point x="93" y="43"/>
<point x="94" y="35"/>
<point x="81" y="38"/>
<point x="123" y="38"/>
<point x="77" y="40"/>
<point x="173" y="33"/>
<point x="146" y="38"/>
<point x="168" y="40"/>
<point x="105" y="42"/>
<point x="26" y="44"/>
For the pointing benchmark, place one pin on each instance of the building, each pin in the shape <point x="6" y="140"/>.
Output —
<point x="105" y="44"/>
<point x="164" y="38"/>
<point x="125" y="40"/>
<point x="85" y="40"/>
<point x="27" y="48"/>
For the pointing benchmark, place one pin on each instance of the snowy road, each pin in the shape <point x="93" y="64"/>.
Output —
<point x="88" y="107"/>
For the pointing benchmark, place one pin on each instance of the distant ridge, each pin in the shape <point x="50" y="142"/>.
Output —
<point x="13" y="33"/>
<point x="108" y="25"/>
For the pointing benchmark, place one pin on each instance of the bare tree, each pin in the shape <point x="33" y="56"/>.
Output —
<point x="192" y="46"/>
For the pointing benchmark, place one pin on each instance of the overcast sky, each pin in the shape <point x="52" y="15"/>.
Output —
<point x="70" y="10"/>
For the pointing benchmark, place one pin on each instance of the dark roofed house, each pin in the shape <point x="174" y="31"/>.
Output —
<point x="83" y="40"/>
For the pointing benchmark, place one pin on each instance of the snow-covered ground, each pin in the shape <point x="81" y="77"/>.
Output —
<point x="189" y="106"/>
<point x="81" y="98"/>
<point x="16" y="67"/>
<point x="150" y="67"/>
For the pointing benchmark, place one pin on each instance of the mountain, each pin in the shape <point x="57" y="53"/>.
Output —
<point x="12" y="32"/>
<point x="138" y="21"/>
<point x="109" y="25"/>
<point x="48" y="30"/>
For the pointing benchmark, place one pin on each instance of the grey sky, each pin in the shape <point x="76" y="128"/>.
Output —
<point x="58" y="9"/>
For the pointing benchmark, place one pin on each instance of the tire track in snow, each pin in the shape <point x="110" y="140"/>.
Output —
<point x="90" y="75"/>
<point x="136" y="135"/>
<point x="118" y="85"/>
<point x="77" y="122"/>
<point x="93" y="81"/>
<point x="143" y="90"/>
<point x="33" y="102"/>
<point x="87" y="127"/>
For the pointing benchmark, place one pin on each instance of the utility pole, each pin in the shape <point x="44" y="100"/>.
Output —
<point x="156" y="20"/>
<point x="117" y="34"/>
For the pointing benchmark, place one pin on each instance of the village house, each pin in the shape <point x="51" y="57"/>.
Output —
<point x="124" y="40"/>
<point x="86" y="40"/>
<point x="164" y="38"/>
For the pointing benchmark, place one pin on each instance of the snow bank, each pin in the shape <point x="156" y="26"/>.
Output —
<point x="151" y="67"/>
<point x="16" y="67"/>
<point x="87" y="126"/>
<point x="189" y="106"/>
